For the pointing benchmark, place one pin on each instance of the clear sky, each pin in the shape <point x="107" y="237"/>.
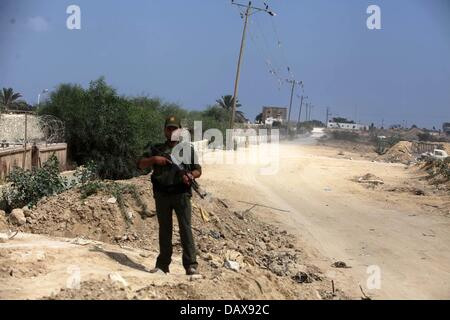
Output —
<point x="186" y="52"/>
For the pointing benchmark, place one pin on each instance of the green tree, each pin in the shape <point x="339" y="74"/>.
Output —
<point x="150" y="119"/>
<point x="258" y="118"/>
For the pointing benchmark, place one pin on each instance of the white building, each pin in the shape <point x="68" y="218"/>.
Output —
<point x="346" y="126"/>
<point x="269" y="121"/>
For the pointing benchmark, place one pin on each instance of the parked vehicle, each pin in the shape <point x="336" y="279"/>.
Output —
<point x="436" y="154"/>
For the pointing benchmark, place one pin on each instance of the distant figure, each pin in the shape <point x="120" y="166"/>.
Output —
<point x="172" y="191"/>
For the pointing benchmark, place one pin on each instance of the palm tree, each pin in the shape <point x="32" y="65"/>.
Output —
<point x="226" y="102"/>
<point x="9" y="99"/>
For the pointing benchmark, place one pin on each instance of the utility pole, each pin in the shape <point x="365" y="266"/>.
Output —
<point x="328" y="116"/>
<point x="238" y="72"/>
<point x="248" y="12"/>
<point x="293" y="82"/>
<point x="25" y="142"/>
<point x="310" y="111"/>
<point x="307" y="112"/>
<point x="301" y="105"/>
<point x="309" y="107"/>
<point x="290" y="103"/>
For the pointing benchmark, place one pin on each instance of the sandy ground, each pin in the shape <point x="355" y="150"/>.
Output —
<point x="43" y="267"/>
<point x="403" y="235"/>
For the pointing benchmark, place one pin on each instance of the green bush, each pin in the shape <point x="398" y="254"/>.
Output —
<point x="28" y="187"/>
<point x="85" y="174"/>
<point x="436" y="167"/>
<point x="103" y="127"/>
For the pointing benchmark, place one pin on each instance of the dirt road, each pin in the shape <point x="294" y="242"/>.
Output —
<point x="402" y="235"/>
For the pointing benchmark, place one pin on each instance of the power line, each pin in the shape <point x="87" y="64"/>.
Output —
<point x="266" y="44"/>
<point x="281" y="47"/>
<point x="267" y="58"/>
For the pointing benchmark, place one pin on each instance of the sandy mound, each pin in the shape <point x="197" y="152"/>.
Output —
<point x="67" y="215"/>
<point x="446" y="147"/>
<point x="401" y="152"/>
<point x="412" y="134"/>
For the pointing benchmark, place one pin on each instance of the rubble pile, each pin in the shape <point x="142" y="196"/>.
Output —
<point x="369" y="179"/>
<point x="400" y="152"/>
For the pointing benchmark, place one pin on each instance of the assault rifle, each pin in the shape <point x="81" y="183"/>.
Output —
<point x="181" y="168"/>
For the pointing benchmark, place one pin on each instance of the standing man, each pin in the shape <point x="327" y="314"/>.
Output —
<point x="172" y="191"/>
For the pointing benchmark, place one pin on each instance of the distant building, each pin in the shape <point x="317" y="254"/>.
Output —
<point x="446" y="128"/>
<point x="271" y="114"/>
<point x="346" y="126"/>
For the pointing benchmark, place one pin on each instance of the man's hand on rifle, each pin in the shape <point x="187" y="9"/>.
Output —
<point x="187" y="178"/>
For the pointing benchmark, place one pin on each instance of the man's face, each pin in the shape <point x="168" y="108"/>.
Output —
<point x="168" y="131"/>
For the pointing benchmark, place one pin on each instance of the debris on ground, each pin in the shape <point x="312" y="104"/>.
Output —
<point x="306" y="277"/>
<point x="111" y="200"/>
<point x="18" y="217"/>
<point x="340" y="265"/>
<point x="370" y="180"/>
<point x="232" y="265"/>
<point x="364" y="297"/>
<point x="117" y="278"/>
<point x="407" y="189"/>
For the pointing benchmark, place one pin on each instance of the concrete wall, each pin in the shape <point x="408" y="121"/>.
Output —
<point x="12" y="128"/>
<point x="14" y="157"/>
